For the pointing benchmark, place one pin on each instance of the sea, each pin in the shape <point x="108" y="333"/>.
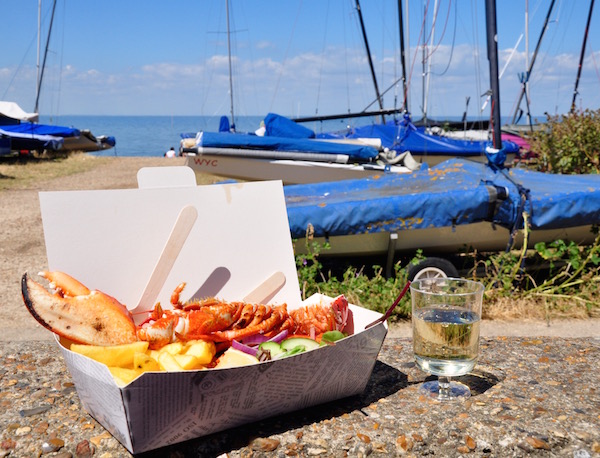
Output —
<point x="153" y="135"/>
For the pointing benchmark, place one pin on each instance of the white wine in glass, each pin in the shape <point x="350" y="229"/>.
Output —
<point x="446" y="315"/>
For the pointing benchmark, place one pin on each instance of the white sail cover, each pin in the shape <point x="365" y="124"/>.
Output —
<point x="14" y="111"/>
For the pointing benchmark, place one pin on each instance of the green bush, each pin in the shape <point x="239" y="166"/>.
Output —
<point x="569" y="144"/>
<point x="570" y="279"/>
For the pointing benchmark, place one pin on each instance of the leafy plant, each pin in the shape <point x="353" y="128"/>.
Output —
<point x="570" y="144"/>
<point x="571" y="280"/>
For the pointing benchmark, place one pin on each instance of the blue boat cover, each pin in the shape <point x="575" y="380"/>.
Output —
<point x="280" y="126"/>
<point x="452" y="193"/>
<point x="404" y="136"/>
<point x="27" y="141"/>
<point x="224" y="124"/>
<point x="229" y="140"/>
<point x="42" y="129"/>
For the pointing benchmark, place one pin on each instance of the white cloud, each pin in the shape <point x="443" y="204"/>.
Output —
<point x="329" y="82"/>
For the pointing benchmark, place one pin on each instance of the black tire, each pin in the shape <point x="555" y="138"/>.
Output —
<point x="432" y="268"/>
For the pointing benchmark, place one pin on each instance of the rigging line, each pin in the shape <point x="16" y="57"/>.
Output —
<point x="212" y="67"/>
<point x="62" y="47"/>
<point x="347" y="72"/>
<point x="18" y="69"/>
<point x="435" y="48"/>
<point x="230" y="70"/>
<point x="239" y="90"/>
<point x="414" y="59"/>
<point x="504" y="68"/>
<point x="278" y="81"/>
<point x="391" y="86"/>
<point x="477" y="62"/>
<point x="453" y="40"/>
<point x="433" y="21"/>
<point x="322" y="58"/>
<point x="39" y="88"/>
<point x="595" y="63"/>
<point x="583" y="46"/>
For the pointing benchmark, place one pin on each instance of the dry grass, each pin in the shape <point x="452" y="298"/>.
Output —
<point x="24" y="173"/>
<point x="535" y="308"/>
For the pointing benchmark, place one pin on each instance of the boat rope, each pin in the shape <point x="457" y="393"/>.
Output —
<point x="414" y="59"/>
<point x="322" y="60"/>
<point x="18" y="69"/>
<point x="432" y="51"/>
<point x="285" y="57"/>
<point x="453" y="39"/>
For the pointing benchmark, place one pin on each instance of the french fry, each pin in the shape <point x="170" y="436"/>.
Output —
<point x="174" y="348"/>
<point x="168" y="362"/>
<point x="114" y="355"/>
<point x="128" y="361"/>
<point x="145" y="363"/>
<point x="188" y="362"/>
<point x="203" y="350"/>
<point x="123" y="376"/>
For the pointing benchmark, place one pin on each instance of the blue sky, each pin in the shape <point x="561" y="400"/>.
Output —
<point x="133" y="57"/>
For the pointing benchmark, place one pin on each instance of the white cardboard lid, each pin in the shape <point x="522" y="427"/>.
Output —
<point x="110" y="240"/>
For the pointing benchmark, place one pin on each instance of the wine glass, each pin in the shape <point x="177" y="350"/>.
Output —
<point x="446" y="314"/>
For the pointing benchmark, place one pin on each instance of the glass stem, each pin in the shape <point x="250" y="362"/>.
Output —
<point x="444" y="387"/>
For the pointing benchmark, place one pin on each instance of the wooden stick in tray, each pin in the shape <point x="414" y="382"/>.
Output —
<point x="179" y="234"/>
<point x="264" y="292"/>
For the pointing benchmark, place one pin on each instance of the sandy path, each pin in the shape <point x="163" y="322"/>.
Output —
<point x="22" y="246"/>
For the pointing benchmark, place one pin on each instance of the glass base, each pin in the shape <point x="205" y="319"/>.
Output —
<point x="451" y="391"/>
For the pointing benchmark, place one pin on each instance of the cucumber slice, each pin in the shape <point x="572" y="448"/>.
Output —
<point x="293" y="342"/>
<point x="273" y="348"/>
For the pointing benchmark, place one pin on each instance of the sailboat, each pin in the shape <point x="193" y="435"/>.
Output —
<point x="288" y="151"/>
<point x="11" y="114"/>
<point x="458" y="204"/>
<point x="21" y="132"/>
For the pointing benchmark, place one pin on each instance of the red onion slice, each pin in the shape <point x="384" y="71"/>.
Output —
<point x="257" y="339"/>
<point x="243" y="347"/>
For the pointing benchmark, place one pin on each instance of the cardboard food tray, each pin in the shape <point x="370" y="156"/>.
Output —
<point x="111" y="240"/>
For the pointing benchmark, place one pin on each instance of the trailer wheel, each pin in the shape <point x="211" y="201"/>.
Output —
<point x="432" y="268"/>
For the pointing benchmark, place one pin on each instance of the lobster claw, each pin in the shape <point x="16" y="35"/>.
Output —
<point x="75" y="312"/>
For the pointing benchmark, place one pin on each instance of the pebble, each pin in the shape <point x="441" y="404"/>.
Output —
<point x="22" y="431"/>
<point x="53" y="445"/>
<point x="264" y="444"/>
<point x="84" y="449"/>
<point x="34" y="411"/>
<point x="537" y="443"/>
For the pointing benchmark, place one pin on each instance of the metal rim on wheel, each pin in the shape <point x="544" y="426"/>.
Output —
<point x="432" y="268"/>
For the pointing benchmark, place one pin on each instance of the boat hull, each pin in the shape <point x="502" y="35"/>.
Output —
<point x="481" y="237"/>
<point x="86" y="142"/>
<point x="435" y="159"/>
<point x="288" y="171"/>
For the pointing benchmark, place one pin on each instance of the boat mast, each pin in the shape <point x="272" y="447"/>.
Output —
<point x="582" y="55"/>
<point x="526" y="78"/>
<point x="402" y="56"/>
<point x="364" y="33"/>
<point x="39" y="46"/>
<point x="527" y="57"/>
<point x="230" y="75"/>
<point x="492" y="49"/>
<point x="41" y="76"/>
